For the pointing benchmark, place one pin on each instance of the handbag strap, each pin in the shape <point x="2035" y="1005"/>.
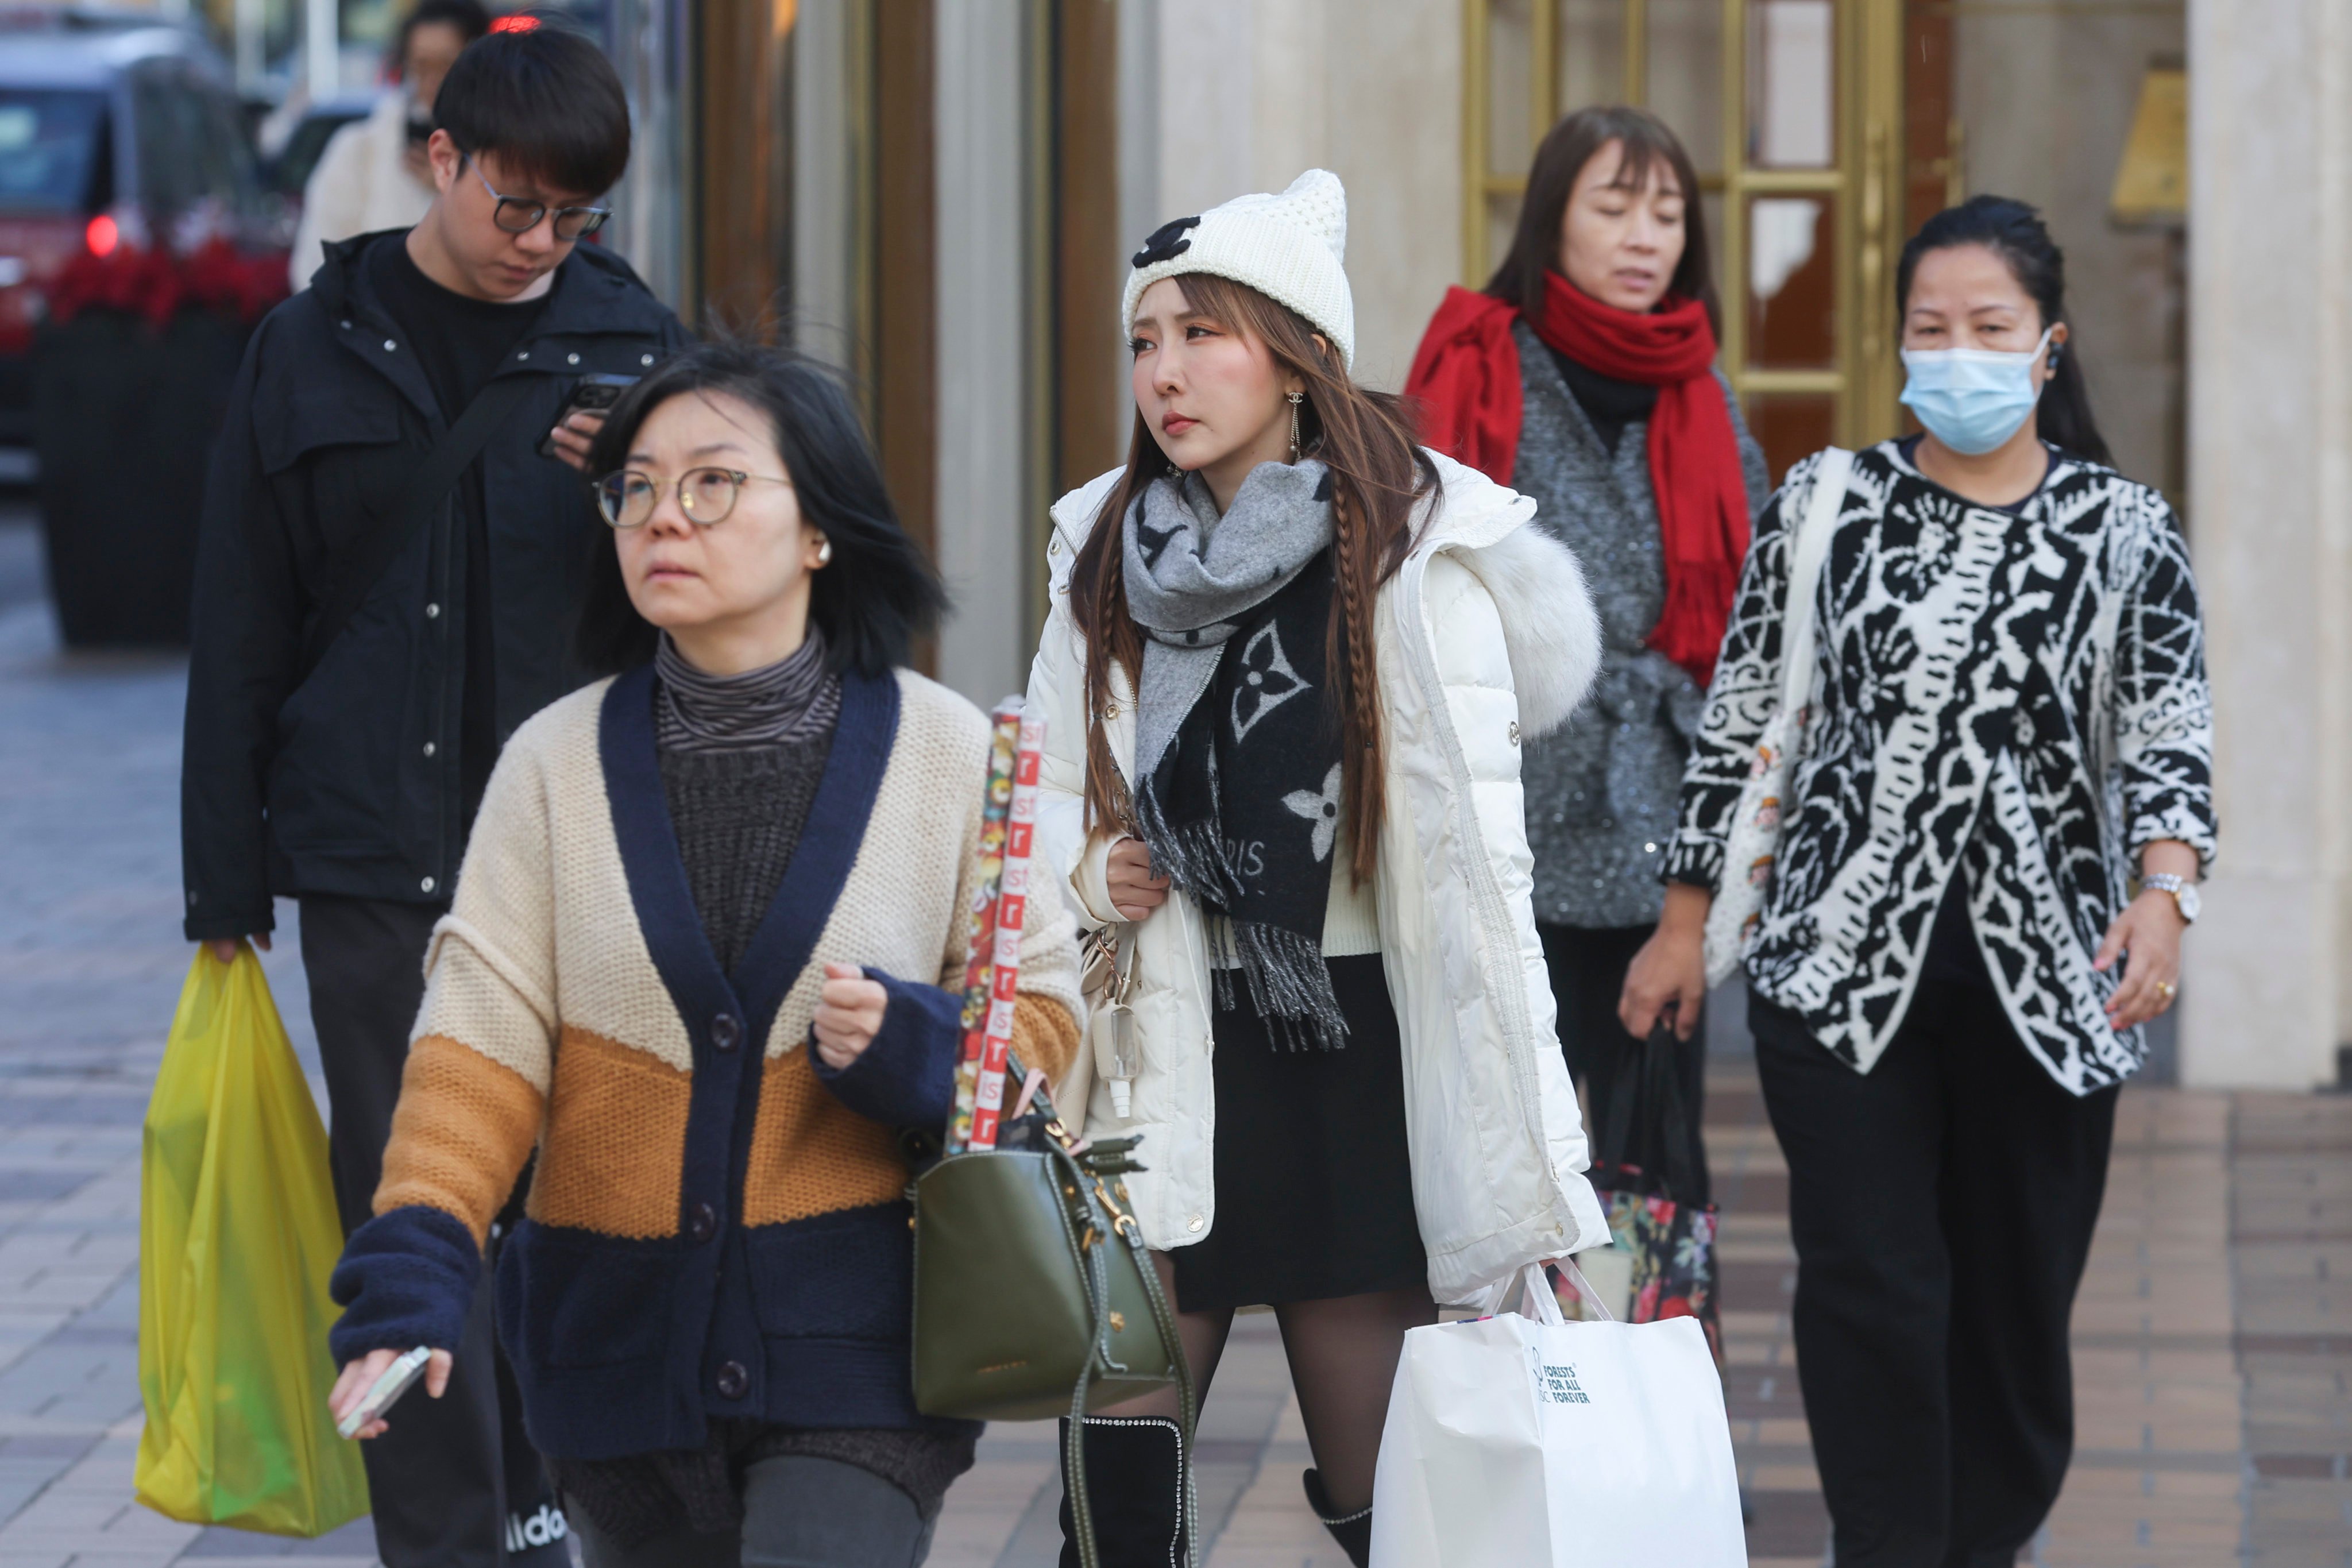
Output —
<point x="1648" y="1091"/>
<point x="1624" y="1094"/>
<point x="1678" y="1155"/>
<point x="1813" y="537"/>
<point x="1094" y="1271"/>
<point x="1094" y="1179"/>
<point x="349" y="576"/>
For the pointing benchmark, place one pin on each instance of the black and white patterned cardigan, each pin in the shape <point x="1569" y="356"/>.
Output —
<point x="2023" y="692"/>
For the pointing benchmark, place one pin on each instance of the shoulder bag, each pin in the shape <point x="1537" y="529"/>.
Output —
<point x="1034" y="1295"/>
<point x="1754" y="838"/>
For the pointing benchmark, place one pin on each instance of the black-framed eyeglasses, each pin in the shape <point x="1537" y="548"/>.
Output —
<point x="517" y="216"/>
<point x="627" y="499"/>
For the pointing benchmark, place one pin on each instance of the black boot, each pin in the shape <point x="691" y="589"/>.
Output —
<point x="1353" y="1531"/>
<point x="1135" y="1483"/>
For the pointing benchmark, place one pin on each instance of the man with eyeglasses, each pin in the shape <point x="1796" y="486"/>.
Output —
<point x="386" y="588"/>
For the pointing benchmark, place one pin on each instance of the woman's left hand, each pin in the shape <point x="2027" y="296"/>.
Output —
<point x="2149" y="931"/>
<point x="848" y="1015"/>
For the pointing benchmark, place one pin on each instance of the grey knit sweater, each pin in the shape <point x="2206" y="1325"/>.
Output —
<point x="1602" y="790"/>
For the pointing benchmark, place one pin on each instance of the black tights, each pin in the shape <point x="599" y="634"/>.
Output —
<point x="1343" y="1353"/>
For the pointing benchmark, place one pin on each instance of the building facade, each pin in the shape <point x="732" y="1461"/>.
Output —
<point x="939" y="195"/>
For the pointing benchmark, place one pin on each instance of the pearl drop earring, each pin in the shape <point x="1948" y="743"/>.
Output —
<point x="824" y="552"/>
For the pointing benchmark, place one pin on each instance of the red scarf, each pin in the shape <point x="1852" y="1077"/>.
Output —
<point x="1465" y="377"/>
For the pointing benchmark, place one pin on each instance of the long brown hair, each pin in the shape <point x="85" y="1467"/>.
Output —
<point x="1552" y="179"/>
<point x="1365" y="440"/>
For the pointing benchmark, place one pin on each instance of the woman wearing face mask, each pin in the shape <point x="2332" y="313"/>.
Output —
<point x="2008" y="721"/>
<point x="1584" y="377"/>
<point x="1289" y="668"/>
<point x="707" y="959"/>
<point x="373" y="174"/>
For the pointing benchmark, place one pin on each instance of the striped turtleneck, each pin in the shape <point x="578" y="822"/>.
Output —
<point x="741" y="756"/>
<point x="791" y="699"/>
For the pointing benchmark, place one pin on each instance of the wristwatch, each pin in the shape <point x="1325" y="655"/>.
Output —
<point x="2183" y="891"/>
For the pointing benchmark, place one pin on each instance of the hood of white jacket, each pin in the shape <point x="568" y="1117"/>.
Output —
<point x="1550" y="629"/>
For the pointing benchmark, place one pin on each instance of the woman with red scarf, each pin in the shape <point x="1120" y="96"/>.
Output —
<point x="1584" y="376"/>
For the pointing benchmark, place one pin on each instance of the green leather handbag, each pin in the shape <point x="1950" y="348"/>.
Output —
<point x="1034" y="1297"/>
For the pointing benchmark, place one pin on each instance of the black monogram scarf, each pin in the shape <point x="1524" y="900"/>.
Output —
<point x="1238" y="740"/>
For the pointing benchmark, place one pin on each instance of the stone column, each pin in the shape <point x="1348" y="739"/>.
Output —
<point x="983" y="348"/>
<point x="2269" y="990"/>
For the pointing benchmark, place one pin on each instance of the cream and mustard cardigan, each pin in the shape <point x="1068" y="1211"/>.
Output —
<point x="717" y="1223"/>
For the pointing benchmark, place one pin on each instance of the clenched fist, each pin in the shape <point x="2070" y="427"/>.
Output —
<point x="848" y="1015"/>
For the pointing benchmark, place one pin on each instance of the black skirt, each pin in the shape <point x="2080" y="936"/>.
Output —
<point x="1314" y="1181"/>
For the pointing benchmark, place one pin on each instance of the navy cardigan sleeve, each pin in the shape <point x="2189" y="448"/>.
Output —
<point x="406" y="1279"/>
<point x="905" y="1078"/>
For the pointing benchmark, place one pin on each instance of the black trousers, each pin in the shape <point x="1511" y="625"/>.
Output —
<point x="1588" y="966"/>
<point x="454" y="1481"/>
<point x="1942" y="1207"/>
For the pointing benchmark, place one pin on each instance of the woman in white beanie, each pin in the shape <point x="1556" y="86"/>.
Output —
<point x="1289" y="663"/>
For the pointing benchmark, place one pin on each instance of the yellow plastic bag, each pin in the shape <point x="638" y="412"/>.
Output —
<point x="237" y="1234"/>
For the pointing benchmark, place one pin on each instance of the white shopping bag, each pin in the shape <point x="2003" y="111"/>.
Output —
<point x="1534" y="1442"/>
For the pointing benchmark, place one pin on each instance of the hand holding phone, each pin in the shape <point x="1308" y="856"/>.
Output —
<point x="595" y="392"/>
<point x="364" y="1392"/>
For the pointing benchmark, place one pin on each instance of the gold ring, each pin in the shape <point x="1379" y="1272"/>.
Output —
<point x="2165" y="988"/>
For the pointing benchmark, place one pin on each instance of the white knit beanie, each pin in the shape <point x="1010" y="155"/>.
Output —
<point x="1287" y="248"/>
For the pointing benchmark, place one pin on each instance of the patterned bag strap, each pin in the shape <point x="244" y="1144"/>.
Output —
<point x="1813" y="537"/>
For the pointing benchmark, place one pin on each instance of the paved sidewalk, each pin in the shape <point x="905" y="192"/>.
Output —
<point x="2211" y="1358"/>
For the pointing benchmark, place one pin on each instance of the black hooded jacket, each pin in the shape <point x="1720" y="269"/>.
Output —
<point x="343" y="778"/>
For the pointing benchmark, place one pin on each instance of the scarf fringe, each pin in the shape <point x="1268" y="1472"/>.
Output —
<point x="1289" y="986"/>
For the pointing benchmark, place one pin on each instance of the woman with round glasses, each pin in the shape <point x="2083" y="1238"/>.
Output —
<point x="706" y="958"/>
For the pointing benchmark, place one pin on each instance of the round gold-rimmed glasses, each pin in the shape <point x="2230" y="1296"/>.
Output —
<point x="627" y="499"/>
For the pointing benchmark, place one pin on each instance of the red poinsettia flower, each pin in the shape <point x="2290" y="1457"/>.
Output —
<point x="157" y="285"/>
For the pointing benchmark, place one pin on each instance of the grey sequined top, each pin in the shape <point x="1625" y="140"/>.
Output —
<point x="1602" y="790"/>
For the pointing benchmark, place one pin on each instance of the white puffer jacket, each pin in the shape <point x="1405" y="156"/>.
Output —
<point x="1486" y="635"/>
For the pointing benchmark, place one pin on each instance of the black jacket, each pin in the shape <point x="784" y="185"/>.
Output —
<point x="343" y="778"/>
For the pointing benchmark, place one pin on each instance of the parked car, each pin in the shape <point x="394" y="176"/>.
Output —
<point x="114" y="130"/>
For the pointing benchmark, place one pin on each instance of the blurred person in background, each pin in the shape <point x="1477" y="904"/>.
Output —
<point x="388" y="574"/>
<point x="374" y="173"/>
<point x="1584" y="376"/>
<point x="2009" y="726"/>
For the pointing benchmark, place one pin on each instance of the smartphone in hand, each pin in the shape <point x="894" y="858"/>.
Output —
<point x="397" y="1379"/>
<point x="595" y="392"/>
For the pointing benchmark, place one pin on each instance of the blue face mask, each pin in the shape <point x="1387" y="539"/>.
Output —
<point x="1973" y="399"/>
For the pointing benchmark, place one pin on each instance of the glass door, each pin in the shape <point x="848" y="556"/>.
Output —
<point x="1792" y="113"/>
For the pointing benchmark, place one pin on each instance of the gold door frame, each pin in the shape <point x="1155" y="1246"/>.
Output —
<point x="1866" y="187"/>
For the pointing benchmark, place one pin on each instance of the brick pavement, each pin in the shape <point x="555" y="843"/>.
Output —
<point x="2212" y="1359"/>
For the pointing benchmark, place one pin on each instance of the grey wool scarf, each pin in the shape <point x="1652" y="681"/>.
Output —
<point x="1237" y="743"/>
<point x="1192" y="576"/>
